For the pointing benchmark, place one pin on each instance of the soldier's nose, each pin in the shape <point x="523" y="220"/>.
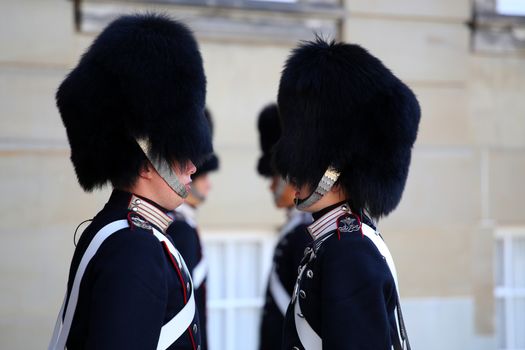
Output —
<point x="190" y="168"/>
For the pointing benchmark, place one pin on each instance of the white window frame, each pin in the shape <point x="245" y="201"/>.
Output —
<point x="231" y="239"/>
<point x="505" y="291"/>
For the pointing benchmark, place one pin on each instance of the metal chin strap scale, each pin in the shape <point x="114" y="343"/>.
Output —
<point x="324" y="186"/>
<point x="164" y="169"/>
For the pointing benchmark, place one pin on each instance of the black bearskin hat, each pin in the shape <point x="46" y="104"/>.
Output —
<point x="269" y="132"/>
<point x="141" y="78"/>
<point x="211" y="163"/>
<point x="341" y="107"/>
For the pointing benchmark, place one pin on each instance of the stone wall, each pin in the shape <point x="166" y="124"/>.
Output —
<point x="465" y="181"/>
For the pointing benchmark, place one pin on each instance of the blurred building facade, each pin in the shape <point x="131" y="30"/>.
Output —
<point x="458" y="236"/>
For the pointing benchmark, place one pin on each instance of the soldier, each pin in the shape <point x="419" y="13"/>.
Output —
<point x="348" y="130"/>
<point x="185" y="234"/>
<point x="133" y="109"/>
<point x="292" y="236"/>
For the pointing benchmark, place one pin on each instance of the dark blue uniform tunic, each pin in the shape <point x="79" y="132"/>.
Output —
<point x="183" y="231"/>
<point x="346" y="292"/>
<point x="287" y="256"/>
<point x="130" y="288"/>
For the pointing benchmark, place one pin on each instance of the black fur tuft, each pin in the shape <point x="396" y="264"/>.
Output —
<point x="340" y="106"/>
<point x="269" y="132"/>
<point x="210" y="163"/>
<point x="142" y="77"/>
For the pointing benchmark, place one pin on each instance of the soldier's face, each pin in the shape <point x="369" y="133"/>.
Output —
<point x="184" y="172"/>
<point x="202" y="185"/>
<point x="286" y="197"/>
<point x="164" y="194"/>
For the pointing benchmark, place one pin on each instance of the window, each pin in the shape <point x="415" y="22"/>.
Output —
<point x="274" y="21"/>
<point x="238" y="265"/>
<point x="511" y="7"/>
<point x="510" y="288"/>
<point x="498" y="26"/>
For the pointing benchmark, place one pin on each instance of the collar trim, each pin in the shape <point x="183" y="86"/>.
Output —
<point x="150" y="212"/>
<point x="327" y="222"/>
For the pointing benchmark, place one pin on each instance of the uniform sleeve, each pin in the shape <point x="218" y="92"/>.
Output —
<point x="185" y="240"/>
<point x="129" y="293"/>
<point x="356" y="285"/>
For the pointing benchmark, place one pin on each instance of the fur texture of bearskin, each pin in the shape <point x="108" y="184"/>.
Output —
<point x="141" y="78"/>
<point x="341" y="107"/>
<point x="269" y="128"/>
<point x="212" y="162"/>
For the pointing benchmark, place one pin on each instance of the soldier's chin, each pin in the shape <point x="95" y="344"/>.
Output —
<point x="279" y="202"/>
<point x="173" y="201"/>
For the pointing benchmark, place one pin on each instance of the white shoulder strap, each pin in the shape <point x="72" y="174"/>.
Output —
<point x="176" y="327"/>
<point x="62" y="327"/>
<point x="170" y="332"/>
<point x="374" y="236"/>
<point x="199" y="272"/>
<point x="307" y="336"/>
<point x="279" y="294"/>
<point x="383" y="249"/>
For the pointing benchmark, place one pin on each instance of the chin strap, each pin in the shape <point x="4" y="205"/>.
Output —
<point x="279" y="190"/>
<point x="164" y="169"/>
<point x="325" y="185"/>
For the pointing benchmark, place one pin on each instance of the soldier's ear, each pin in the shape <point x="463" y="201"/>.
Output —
<point x="339" y="191"/>
<point x="147" y="171"/>
<point x="336" y="188"/>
